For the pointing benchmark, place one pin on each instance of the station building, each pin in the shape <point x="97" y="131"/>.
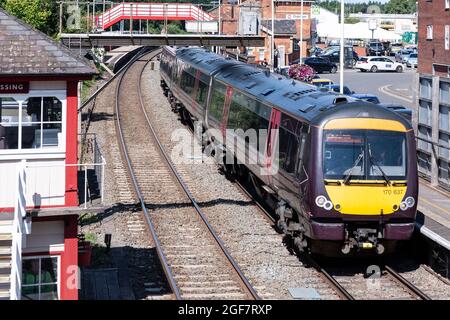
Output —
<point x="39" y="122"/>
<point x="432" y="100"/>
<point x="238" y="17"/>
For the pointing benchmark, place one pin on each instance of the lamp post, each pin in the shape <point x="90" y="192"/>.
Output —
<point x="301" y="31"/>
<point x="272" y="39"/>
<point x="341" y="55"/>
<point x="220" y="18"/>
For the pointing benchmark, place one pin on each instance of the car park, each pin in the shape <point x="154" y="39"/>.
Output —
<point x="366" y="97"/>
<point x="321" y="65"/>
<point x="412" y="61"/>
<point x="375" y="64"/>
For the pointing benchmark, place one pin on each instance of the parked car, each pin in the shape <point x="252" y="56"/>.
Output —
<point x="375" y="64"/>
<point x="315" y="51"/>
<point x="375" y="48"/>
<point x="386" y="48"/>
<point x="403" y="55"/>
<point x="336" y="87"/>
<point x="322" y="82"/>
<point x="366" y="97"/>
<point x="412" y="61"/>
<point x="395" y="48"/>
<point x="334" y="54"/>
<point x="403" y="111"/>
<point x="321" y="65"/>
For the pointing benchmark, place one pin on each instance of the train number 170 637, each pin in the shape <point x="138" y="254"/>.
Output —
<point x="388" y="192"/>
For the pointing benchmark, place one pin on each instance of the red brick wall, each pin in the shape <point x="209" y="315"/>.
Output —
<point x="432" y="51"/>
<point x="284" y="8"/>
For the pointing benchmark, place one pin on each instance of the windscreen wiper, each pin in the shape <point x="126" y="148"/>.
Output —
<point x="372" y="160"/>
<point x="358" y="160"/>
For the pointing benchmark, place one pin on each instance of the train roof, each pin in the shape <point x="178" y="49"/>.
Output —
<point x="207" y="62"/>
<point x="294" y="97"/>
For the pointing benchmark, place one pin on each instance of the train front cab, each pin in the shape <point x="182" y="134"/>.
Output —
<point x="364" y="186"/>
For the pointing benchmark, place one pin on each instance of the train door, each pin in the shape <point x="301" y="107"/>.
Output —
<point x="271" y="146"/>
<point x="287" y="162"/>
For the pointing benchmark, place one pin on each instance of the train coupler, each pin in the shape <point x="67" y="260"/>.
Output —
<point x="363" y="239"/>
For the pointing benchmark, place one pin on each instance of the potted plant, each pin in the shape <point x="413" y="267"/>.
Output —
<point x="301" y="72"/>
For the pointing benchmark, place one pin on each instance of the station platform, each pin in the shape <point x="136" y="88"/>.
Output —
<point x="433" y="218"/>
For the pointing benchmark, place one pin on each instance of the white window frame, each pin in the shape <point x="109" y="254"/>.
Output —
<point x="58" y="271"/>
<point x="447" y="4"/>
<point x="57" y="150"/>
<point x="447" y="37"/>
<point x="430" y="32"/>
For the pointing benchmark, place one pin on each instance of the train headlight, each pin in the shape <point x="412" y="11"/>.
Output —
<point x="410" y="202"/>
<point x="320" y="201"/>
<point x="328" y="205"/>
<point x="403" y="206"/>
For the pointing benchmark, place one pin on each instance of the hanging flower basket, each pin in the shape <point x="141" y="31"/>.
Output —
<point x="301" y="72"/>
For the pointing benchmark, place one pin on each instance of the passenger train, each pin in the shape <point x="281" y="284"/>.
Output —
<point x="341" y="174"/>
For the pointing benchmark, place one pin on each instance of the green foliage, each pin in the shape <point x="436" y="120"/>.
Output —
<point x="401" y="6"/>
<point x="91" y="237"/>
<point x="41" y="14"/>
<point x="393" y="6"/>
<point x="351" y="20"/>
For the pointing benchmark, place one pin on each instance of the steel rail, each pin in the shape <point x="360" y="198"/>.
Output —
<point x="405" y="283"/>
<point x="167" y="269"/>
<point x="340" y="290"/>
<point x="195" y="204"/>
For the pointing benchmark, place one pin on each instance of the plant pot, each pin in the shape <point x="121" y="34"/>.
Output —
<point x="84" y="253"/>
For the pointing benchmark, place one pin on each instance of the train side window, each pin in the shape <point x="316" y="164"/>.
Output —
<point x="187" y="83"/>
<point x="217" y="101"/>
<point x="287" y="151"/>
<point x="301" y="154"/>
<point x="247" y="113"/>
<point x="202" y="92"/>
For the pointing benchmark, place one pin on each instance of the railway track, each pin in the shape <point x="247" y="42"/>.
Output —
<point x="196" y="263"/>
<point x="350" y="286"/>
<point x="386" y="271"/>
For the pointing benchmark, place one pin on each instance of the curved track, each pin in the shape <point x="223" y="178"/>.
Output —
<point x="196" y="263"/>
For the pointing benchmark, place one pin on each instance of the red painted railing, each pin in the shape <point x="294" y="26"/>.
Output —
<point x="151" y="11"/>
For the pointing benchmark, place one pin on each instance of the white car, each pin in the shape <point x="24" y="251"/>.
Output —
<point x="374" y="64"/>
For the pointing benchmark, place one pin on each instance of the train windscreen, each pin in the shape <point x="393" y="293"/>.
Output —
<point x="364" y="155"/>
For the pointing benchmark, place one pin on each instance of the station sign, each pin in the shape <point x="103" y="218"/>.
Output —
<point x="14" y="87"/>
<point x="292" y="16"/>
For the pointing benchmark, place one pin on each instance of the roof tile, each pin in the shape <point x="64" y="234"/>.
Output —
<point x="24" y="50"/>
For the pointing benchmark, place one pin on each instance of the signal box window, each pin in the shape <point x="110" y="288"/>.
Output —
<point x="40" y="278"/>
<point x="41" y="122"/>
<point x="9" y="123"/>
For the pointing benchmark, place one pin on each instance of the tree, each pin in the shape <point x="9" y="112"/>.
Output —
<point x="400" y="6"/>
<point x="41" y="14"/>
